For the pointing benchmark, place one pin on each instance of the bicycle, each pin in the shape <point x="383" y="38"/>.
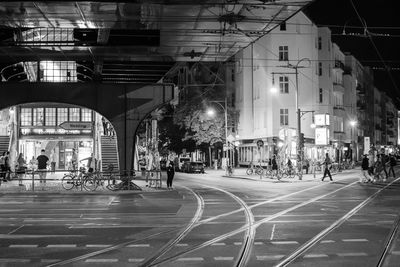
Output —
<point x="75" y="179"/>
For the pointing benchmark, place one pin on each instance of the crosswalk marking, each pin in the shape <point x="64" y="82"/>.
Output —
<point x="327" y="241"/>
<point x="258" y="243"/>
<point x="352" y="254"/>
<point x="136" y="260"/>
<point x="191" y="259"/>
<point x="284" y="242"/>
<point x="138" y="245"/>
<point x="23" y="246"/>
<point x="269" y="257"/>
<point x="315" y="256"/>
<point x="97" y="246"/>
<point x="355" y="240"/>
<point x="62" y="246"/>
<point x="101" y="260"/>
<point x="223" y="258"/>
<point x="218" y="244"/>
<point x="237" y="243"/>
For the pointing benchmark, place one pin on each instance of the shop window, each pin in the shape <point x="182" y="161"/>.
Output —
<point x="38" y="116"/>
<point x="74" y="114"/>
<point x="26" y="116"/>
<point x="62" y="115"/>
<point x="50" y="117"/>
<point x="86" y="114"/>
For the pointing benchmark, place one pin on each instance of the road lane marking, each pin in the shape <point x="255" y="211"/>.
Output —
<point x="258" y="243"/>
<point x="315" y="256"/>
<point x="138" y="245"/>
<point x="223" y="258"/>
<point x="17" y="236"/>
<point x="49" y="260"/>
<point x="136" y="260"/>
<point x="62" y="246"/>
<point x="284" y="242"/>
<point x="4" y="260"/>
<point x="269" y="257"/>
<point x="272" y="232"/>
<point x="396" y="252"/>
<point x="237" y="243"/>
<point x="327" y="241"/>
<point x="218" y="244"/>
<point x="352" y="254"/>
<point x="97" y="246"/>
<point x="101" y="260"/>
<point x="16" y="229"/>
<point x="23" y="246"/>
<point x="181" y="245"/>
<point x="355" y="240"/>
<point x="191" y="259"/>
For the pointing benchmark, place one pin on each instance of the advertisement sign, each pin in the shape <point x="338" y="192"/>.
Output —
<point x="367" y="145"/>
<point x="322" y="119"/>
<point x="321" y="136"/>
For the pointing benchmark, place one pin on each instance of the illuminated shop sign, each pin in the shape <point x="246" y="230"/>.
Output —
<point x="52" y="131"/>
<point x="321" y="119"/>
<point x="321" y="136"/>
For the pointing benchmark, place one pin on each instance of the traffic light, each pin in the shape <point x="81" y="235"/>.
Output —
<point x="301" y="141"/>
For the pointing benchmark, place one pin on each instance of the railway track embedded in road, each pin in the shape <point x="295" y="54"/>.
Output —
<point x="394" y="233"/>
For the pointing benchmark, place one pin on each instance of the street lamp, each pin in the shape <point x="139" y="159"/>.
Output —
<point x="353" y="124"/>
<point x="211" y="112"/>
<point x="295" y="67"/>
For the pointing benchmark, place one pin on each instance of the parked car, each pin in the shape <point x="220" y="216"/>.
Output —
<point x="182" y="161"/>
<point x="193" y="166"/>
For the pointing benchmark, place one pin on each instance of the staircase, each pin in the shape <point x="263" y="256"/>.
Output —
<point x="4" y="143"/>
<point x="109" y="152"/>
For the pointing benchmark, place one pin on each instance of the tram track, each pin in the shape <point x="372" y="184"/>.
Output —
<point x="389" y="245"/>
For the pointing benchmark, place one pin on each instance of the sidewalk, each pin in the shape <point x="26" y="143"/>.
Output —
<point x="240" y="173"/>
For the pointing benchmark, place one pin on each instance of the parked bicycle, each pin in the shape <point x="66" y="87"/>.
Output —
<point x="76" y="179"/>
<point x="255" y="170"/>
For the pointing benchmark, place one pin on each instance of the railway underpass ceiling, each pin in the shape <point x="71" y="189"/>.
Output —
<point x="129" y="31"/>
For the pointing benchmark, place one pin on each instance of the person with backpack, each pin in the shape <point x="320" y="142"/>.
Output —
<point x="392" y="163"/>
<point x="364" y="171"/>
<point x="327" y="166"/>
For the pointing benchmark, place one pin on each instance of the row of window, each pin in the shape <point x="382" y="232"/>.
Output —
<point x="53" y="116"/>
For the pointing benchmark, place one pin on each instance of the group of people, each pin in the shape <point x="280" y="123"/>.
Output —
<point x="372" y="169"/>
<point x="108" y="129"/>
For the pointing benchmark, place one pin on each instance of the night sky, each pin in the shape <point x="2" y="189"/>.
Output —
<point x="382" y="18"/>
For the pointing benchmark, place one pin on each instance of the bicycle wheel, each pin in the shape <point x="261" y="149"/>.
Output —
<point x="259" y="171"/>
<point x="89" y="183"/>
<point x="68" y="182"/>
<point x="249" y="171"/>
<point x="110" y="183"/>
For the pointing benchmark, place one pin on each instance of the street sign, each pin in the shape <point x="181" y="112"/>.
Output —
<point x="69" y="125"/>
<point x="231" y="138"/>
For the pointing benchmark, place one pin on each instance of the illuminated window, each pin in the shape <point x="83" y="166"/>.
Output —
<point x="62" y="115"/>
<point x="38" y="116"/>
<point x="26" y="116"/>
<point x="58" y="71"/>
<point x="50" y="118"/>
<point x="86" y="114"/>
<point x="74" y="114"/>
<point x="284" y="116"/>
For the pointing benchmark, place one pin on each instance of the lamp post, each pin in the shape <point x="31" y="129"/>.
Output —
<point x="298" y="112"/>
<point x="353" y="123"/>
<point x="224" y="108"/>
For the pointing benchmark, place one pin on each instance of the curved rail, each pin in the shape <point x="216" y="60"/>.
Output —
<point x="389" y="243"/>
<point x="182" y="234"/>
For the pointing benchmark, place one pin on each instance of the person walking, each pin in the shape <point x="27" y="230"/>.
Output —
<point x="384" y="162"/>
<point x="327" y="166"/>
<point x="42" y="161"/>
<point x="274" y="166"/>
<point x="7" y="166"/>
<point x="364" y="171"/>
<point x="20" y="168"/>
<point x="392" y="163"/>
<point x="3" y="167"/>
<point x="378" y="168"/>
<point x="170" y="174"/>
<point x="306" y="164"/>
<point x="53" y="161"/>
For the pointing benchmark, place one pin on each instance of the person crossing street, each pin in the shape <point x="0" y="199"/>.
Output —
<point x="327" y="166"/>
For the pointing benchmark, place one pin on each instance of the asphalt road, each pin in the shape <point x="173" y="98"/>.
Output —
<point x="208" y="220"/>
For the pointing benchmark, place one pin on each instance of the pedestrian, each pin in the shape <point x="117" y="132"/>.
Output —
<point x="3" y="167"/>
<point x="170" y="174"/>
<point x="306" y="164"/>
<point x="364" y="170"/>
<point x="105" y="128"/>
<point x="384" y="163"/>
<point x="42" y="161"/>
<point x="274" y="166"/>
<point x="327" y="166"/>
<point x="20" y="168"/>
<point x="378" y="168"/>
<point x="53" y="161"/>
<point x="74" y="160"/>
<point x="392" y="163"/>
<point x="290" y="166"/>
<point x="7" y="166"/>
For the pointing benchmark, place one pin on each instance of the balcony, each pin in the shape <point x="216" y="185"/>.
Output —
<point x="338" y="87"/>
<point x="338" y="65"/>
